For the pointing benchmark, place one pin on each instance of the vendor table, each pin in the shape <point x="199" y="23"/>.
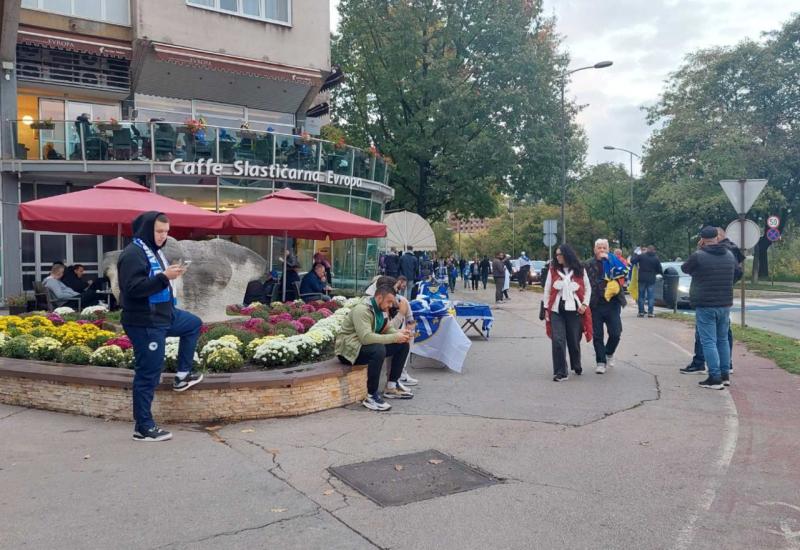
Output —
<point x="471" y="313"/>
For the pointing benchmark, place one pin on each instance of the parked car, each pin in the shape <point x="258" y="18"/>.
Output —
<point x="684" y="282"/>
<point x="536" y="270"/>
<point x="532" y="273"/>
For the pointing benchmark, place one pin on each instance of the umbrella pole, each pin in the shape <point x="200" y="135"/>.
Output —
<point x="285" y="263"/>
<point x="119" y="236"/>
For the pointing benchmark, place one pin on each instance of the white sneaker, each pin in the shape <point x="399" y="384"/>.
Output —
<point x="601" y="368"/>
<point x="403" y="387"/>
<point x="610" y="360"/>
<point x="408" y="380"/>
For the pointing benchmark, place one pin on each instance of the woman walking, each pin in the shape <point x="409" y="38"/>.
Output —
<point x="567" y="314"/>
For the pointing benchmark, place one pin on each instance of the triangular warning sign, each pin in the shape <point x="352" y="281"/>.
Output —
<point x="742" y="202"/>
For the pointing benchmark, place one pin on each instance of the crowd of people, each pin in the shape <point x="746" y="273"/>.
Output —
<point x="586" y="299"/>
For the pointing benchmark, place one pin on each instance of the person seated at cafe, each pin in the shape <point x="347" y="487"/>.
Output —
<point x="73" y="278"/>
<point x="315" y="285"/>
<point x="62" y="294"/>
<point x="261" y="291"/>
<point x="50" y="152"/>
<point x="292" y="277"/>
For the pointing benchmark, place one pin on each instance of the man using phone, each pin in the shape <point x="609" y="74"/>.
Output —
<point x="368" y="338"/>
<point x="149" y="315"/>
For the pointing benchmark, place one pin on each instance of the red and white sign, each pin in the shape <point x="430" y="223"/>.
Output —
<point x="773" y="221"/>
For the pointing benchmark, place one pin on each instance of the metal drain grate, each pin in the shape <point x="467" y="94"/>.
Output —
<point x="402" y="479"/>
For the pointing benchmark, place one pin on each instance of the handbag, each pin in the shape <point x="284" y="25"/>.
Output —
<point x="541" y="310"/>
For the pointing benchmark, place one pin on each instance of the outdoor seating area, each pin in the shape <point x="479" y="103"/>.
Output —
<point x="84" y="140"/>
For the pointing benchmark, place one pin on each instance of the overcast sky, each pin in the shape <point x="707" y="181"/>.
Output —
<point x="646" y="40"/>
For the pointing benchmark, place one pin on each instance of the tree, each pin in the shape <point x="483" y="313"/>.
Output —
<point x="727" y="113"/>
<point x="605" y="190"/>
<point x="461" y="94"/>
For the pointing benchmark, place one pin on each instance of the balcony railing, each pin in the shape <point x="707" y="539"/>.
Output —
<point x="83" y="141"/>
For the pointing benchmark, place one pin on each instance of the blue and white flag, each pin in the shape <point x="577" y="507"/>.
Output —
<point x="440" y="338"/>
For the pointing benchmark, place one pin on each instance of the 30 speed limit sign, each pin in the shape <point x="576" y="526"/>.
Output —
<point x="773" y="221"/>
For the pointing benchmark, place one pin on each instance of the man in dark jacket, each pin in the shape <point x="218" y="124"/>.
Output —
<point x="713" y="269"/>
<point x="698" y="364"/>
<point x="499" y="274"/>
<point x="606" y="310"/>
<point x="149" y="315"/>
<point x="314" y="285"/>
<point x="649" y="267"/>
<point x="485" y="266"/>
<point x="409" y="268"/>
<point x="391" y="264"/>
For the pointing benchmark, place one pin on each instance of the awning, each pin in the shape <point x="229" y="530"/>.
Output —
<point x="47" y="38"/>
<point x="237" y="65"/>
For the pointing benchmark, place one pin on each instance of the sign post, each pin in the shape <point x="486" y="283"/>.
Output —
<point x="742" y="193"/>
<point x="550" y="228"/>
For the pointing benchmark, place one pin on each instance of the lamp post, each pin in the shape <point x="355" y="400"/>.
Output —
<point x="562" y="83"/>
<point x="632" y="154"/>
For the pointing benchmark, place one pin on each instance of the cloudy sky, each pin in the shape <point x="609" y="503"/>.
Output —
<point x="647" y="40"/>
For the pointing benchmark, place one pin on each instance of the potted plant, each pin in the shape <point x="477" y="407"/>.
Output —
<point x="43" y="124"/>
<point x="17" y="304"/>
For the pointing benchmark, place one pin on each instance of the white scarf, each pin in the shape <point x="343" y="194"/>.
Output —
<point x="566" y="289"/>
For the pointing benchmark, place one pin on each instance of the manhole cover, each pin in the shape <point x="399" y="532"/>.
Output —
<point x="402" y="479"/>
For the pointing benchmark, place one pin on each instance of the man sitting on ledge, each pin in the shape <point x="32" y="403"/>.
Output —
<point x="368" y="338"/>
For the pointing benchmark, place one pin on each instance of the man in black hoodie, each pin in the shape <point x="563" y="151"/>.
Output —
<point x="149" y="315"/>
<point x="649" y="267"/>
<point x="713" y="269"/>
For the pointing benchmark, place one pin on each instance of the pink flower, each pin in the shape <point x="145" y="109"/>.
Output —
<point x="254" y="324"/>
<point x="246" y="311"/>
<point x="325" y="312"/>
<point x="307" y="322"/>
<point x="298" y="326"/>
<point x="204" y="329"/>
<point x="84" y="322"/>
<point x="308" y="308"/>
<point x="55" y="318"/>
<point x="122" y="341"/>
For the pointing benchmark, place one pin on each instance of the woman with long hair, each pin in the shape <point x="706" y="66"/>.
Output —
<point x="567" y="314"/>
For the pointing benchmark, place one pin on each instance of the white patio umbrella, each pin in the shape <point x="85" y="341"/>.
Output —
<point x="405" y="229"/>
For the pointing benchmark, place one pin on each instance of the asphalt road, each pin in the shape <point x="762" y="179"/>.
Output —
<point x="637" y="458"/>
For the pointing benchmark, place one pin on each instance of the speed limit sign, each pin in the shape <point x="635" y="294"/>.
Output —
<point x="773" y="221"/>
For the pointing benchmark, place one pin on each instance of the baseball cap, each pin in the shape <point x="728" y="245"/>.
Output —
<point x="708" y="232"/>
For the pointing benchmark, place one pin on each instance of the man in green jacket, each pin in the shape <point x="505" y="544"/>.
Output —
<point x="368" y="338"/>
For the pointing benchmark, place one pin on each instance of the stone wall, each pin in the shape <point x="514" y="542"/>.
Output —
<point x="104" y="392"/>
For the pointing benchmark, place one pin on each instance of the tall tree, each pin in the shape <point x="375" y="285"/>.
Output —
<point x="728" y="113"/>
<point x="462" y="94"/>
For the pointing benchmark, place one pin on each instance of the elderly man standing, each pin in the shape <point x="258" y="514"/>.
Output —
<point x="499" y="274"/>
<point x="712" y="268"/>
<point x="607" y="301"/>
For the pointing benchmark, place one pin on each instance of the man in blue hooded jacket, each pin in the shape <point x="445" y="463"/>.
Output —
<point x="149" y="315"/>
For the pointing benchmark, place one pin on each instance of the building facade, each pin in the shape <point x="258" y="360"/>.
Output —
<point x="204" y="101"/>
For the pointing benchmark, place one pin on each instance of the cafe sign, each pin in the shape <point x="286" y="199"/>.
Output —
<point x="207" y="167"/>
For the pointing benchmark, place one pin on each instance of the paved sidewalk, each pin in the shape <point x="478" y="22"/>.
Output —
<point x="637" y="458"/>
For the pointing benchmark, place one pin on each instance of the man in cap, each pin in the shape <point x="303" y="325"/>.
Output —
<point x="712" y="268"/>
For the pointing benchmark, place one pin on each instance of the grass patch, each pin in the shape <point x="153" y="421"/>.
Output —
<point x="767" y="286"/>
<point x="784" y="351"/>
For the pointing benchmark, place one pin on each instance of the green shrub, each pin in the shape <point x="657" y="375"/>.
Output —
<point x="285" y="328"/>
<point x="98" y="340"/>
<point x="19" y="347"/>
<point x="46" y="349"/>
<point x="216" y="332"/>
<point x="76" y="355"/>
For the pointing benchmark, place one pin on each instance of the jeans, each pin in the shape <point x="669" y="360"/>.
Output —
<point x="699" y="359"/>
<point x="484" y="279"/>
<point x="608" y="314"/>
<point x="647" y="295"/>
<point x="148" y="353"/>
<point x="713" y="324"/>
<point x="374" y="355"/>
<point x="566" y="336"/>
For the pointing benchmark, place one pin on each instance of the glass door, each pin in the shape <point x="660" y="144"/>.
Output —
<point x="52" y="109"/>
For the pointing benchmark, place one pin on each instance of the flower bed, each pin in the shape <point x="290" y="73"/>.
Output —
<point x="274" y="336"/>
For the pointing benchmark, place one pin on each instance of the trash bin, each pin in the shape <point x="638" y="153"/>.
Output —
<point x="670" y="294"/>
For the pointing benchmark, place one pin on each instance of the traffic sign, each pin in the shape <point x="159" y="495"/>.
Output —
<point x="742" y="193"/>
<point x="549" y="239"/>
<point x="773" y="234"/>
<point x="773" y="221"/>
<point x="550" y="227"/>
<point x="752" y="232"/>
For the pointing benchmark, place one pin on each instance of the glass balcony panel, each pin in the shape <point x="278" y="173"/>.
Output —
<point x="254" y="147"/>
<point x="380" y="170"/>
<point x="362" y="164"/>
<point x="284" y="148"/>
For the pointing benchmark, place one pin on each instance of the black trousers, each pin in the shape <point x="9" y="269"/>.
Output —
<point x="373" y="356"/>
<point x="484" y="279"/>
<point x="498" y="288"/>
<point x="566" y="335"/>
<point x="475" y="282"/>
<point x="522" y="277"/>
<point x="606" y="314"/>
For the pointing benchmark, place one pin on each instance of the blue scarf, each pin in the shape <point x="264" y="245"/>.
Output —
<point x="155" y="268"/>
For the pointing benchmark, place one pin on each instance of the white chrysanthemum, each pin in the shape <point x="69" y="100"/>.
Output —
<point x="63" y="310"/>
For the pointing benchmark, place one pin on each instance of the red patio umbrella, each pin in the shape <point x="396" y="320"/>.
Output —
<point x="293" y="214"/>
<point x="109" y="208"/>
<point x="301" y="216"/>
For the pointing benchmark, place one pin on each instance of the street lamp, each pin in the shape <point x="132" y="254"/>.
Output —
<point x="562" y="81"/>
<point x="632" y="154"/>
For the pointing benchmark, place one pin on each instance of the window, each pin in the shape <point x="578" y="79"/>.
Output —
<point x="274" y="11"/>
<point x="110" y="11"/>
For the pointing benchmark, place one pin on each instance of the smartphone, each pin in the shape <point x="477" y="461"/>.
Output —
<point x="186" y="263"/>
